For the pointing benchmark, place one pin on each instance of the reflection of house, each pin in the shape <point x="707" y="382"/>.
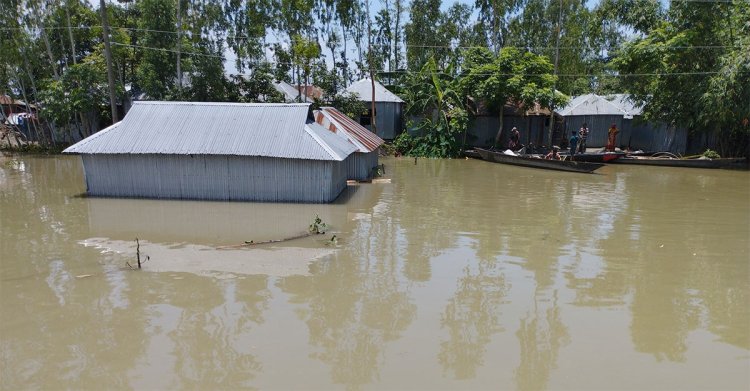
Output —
<point x="217" y="151"/>
<point x="388" y="108"/>
<point x="600" y="112"/>
<point x="359" y="165"/>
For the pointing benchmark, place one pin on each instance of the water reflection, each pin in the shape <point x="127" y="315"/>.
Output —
<point x="472" y="316"/>
<point x="458" y="274"/>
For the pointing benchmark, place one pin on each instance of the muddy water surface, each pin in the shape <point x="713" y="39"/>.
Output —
<point x="457" y="274"/>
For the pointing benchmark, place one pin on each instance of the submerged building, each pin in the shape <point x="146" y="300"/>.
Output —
<point x="360" y="164"/>
<point x="216" y="151"/>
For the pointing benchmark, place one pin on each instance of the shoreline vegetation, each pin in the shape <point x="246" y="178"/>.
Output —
<point x="73" y="68"/>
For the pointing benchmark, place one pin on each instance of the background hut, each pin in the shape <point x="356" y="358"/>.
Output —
<point x="216" y="151"/>
<point x="360" y="164"/>
<point x="600" y="112"/>
<point x="388" y="109"/>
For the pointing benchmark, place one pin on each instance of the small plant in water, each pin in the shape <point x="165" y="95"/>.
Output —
<point x="318" y="226"/>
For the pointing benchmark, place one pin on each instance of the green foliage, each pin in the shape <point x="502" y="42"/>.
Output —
<point x="403" y="144"/>
<point x="157" y="69"/>
<point x="438" y="106"/>
<point x="696" y="71"/>
<point x="711" y="154"/>
<point x="317" y="226"/>
<point x="349" y="104"/>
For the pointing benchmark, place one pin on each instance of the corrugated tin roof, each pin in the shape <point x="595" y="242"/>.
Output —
<point x="291" y="93"/>
<point x="349" y="129"/>
<point x="363" y="88"/>
<point x="592" y="104"/>
<point x="241" y="129"/>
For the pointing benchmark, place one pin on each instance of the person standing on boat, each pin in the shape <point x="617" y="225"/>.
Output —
<point x="573" y="143"/>
<point x="612" y="137"/>
<point x="583" y="134"/>
<point x="515" y="138"/>
<point x="554" y="154"/>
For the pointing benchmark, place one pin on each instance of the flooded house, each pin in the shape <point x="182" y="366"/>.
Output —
<point x="599" y="112"/>
<point x="360" y="164"/>
<point x="272" y="152"/>
<point x="388" y="109"/>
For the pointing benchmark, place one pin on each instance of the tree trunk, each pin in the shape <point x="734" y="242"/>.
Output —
<point x="500" y="128"/>
<point x="52" y="61"/>
<point x="70" y="32"/>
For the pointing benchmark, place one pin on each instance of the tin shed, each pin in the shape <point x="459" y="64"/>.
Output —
<point x="216" y="151"/>
<point x="388" y="108"/>
<point x="359" y="165"/>
<point x="600" y="112"/>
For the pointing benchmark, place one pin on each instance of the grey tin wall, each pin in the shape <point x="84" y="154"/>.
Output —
<point x="214" y="177"/>
<point x="598" y="128"/>
<point x="388" y="118"/>
<point x="634" y="133"/>
<point x="359" y="165"/>
<point x="482" y="130"/>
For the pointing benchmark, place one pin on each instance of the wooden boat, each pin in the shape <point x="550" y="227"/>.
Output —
<point x="597" y="157"/>
<point x="691" y="163"/>
<point x="538" y="162"/>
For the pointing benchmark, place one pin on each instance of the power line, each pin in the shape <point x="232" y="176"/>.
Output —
<point x="405" y="46"/>
<point x="473" y="74"/>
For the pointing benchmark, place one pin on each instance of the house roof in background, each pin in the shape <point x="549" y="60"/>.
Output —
<point x="349" y="129"/>
<point x="363" y="89"/>
<point x="290" y="92"/>
<point x="242" y="129"/>
<point x="593" y="104"/>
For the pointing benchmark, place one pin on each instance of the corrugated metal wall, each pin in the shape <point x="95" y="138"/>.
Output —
<point x="359" y="165"/>
<point x="657" y="138"/>
<point x="598" y="128"/>
<point x="212" y="177"/>
<point x="388" y="118"/>
<point x="635" y="133"/>
<point x="482" y="130"/>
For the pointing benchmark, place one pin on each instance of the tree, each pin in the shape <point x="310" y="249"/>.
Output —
<point x="519" y="78"/>
<point x="436" y="103"/>
<point x="158" y="63"/>
<point x="693" y="70"/>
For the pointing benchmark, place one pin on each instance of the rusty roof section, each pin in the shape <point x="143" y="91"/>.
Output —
<point x="339" y="123"/>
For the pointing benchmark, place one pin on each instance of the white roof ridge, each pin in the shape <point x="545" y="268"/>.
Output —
<point x="94" y="136"/>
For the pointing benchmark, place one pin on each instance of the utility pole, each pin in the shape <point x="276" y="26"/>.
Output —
<point x="554" y="90"/>
<point x="179" y="47"/>
<point x="372" y="73"/>
<point x="108" y="56"/>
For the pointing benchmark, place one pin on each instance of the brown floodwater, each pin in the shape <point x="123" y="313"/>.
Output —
<point x="456" y="274"/>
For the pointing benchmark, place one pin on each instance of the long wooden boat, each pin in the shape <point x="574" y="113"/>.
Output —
<point x="691" y="163"/>
<point x="536" y="162"/>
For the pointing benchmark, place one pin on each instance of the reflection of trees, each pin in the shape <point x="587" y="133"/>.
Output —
<point x="61" y="331"/>
<point x="53" y="328"/>
<point x="541" y="335"/>
<point x="356" y="300"/>
<point x="209" y="337"/>
<point x="471" y="317"/>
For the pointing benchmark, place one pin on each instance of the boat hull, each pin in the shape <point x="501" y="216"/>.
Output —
<point x="690" y="163"/>
<point x="524" y="161"/>
<point x="604" y="157"/>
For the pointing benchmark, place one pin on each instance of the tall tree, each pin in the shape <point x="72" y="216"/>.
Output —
<point x="519" y="78"/>
<point x="157" y="64"/>
<point x="693" y="70"/>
